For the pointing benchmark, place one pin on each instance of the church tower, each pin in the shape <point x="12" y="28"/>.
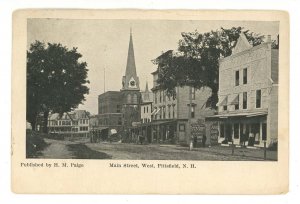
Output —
<point x="130" y="81"/>
<point x="130" y="92"/>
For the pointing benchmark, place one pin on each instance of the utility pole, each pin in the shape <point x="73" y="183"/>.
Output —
<point x="190" y="141"/>
<point x="104" y="80"/>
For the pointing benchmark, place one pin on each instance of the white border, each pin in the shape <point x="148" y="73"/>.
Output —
<point x="8" y="6"/>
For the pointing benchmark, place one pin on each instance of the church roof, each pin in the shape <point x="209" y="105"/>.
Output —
<point x="130" y="67"/>
<point x="130" y="73"/>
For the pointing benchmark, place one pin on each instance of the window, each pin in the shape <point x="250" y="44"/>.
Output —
<point x="135" y="99"/>
<point x="245" y="76"/>
<point x="222" y="135"/>
<point x="237" y="78"/>
<point x="164" y="96"/>
<point x="182" y="127"/>
<point x="169" y="108"/>
<point x="244" y="100"/>
<point x="164" y="112"/>
<point x="147" y="110"/>
<point x="258" y="98"/>
<point x="129" y="98"/>
<point x="236" y="128"/>
<point x="144" y="109"/>
<point x="192" y="112"/>
<point x="118" y="108"/>
<point x="155" y="95"/>
<point x="237" y="105"/>
<point x="225" y="108"/>
<point x="193" y="93"/>
<point x="160" y="96"/>
<point x="174" y="111"/>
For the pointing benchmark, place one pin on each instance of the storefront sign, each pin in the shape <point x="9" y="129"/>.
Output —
<point x="198" y="129"/>
<point x="214" y="133"/>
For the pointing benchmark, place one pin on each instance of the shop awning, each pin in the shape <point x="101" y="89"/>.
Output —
<point x="155" y="111"/>
<point x="224" y="102"/>
<point x="235" y="101"/>
<point x="99" y="128"/>
<point x="160" y="122"/>
<point x="229" y="115"/>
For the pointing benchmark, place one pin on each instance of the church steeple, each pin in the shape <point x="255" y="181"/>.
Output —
<point x="146" y="94"/>
<point x="130" y="80"/>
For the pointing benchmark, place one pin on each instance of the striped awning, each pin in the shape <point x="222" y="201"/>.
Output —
<point x="235" y="101"/>
<point x="224" y="102"/>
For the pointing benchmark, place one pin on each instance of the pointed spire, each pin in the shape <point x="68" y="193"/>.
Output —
<point x="130" y="68"/>
<point x="130" y="80"/>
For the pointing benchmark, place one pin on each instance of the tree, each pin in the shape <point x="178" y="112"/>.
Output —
<point x="56" y="80"/>
<point x="196" y="62"/>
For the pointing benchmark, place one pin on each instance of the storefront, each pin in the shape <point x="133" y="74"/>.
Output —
<point x="164" y="131"/>
<point x="245" y="129"/>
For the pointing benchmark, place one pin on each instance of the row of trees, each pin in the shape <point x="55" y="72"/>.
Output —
<point x="196" y="61"/>
<point x="56" y="81"/>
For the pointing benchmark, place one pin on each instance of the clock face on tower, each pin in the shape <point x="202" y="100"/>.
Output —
<point x="132" y="83"/>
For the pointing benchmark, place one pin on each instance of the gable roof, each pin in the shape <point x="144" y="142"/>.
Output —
<point x="242" y="44"/>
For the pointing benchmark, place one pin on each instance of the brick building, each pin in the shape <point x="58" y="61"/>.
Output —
<point x="248" y="95"/>
<point x="109" y="111"/>
<point x="119" y="110"/>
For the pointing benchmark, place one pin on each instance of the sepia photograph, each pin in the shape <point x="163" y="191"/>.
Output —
<point x="162" y="100"/>
<point x="152" y="89"/>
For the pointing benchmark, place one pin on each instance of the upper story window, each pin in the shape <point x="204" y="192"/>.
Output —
<point x="155" y="96"/>
<point x="118" y="108"/>
<point x="237" y="102"/>
<point x="129" y="98"/>
<point x="135" y="99"/>
<point x="160" y="96"/>
<point x="245" y="76"/>
<point x="258" y="98"/>
<point x="193" y="93"/>
<point x="174" y="111"/>
<point x="244" y="100"/>
<point x="192" y="111"/>
<point x="225" y="108"/>
<point x="237" y="78"/>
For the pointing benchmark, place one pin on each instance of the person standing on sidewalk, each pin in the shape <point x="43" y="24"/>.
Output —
<point x="203" y="140"/>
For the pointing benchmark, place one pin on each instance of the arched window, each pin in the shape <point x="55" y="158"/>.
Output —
<point x="129" y="98"/>
<point x="135" y="100"/>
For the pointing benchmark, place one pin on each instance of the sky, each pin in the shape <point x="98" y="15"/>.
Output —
<point x="104" y="45"/>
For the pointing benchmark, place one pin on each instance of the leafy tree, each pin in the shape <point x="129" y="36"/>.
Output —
<point x="56" y="80"/>
<point x="196" y="62"/>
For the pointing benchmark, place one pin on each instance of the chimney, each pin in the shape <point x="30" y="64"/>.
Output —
<point x="269" y="38"/>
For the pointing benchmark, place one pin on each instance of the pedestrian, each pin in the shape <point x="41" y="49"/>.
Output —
<point x="195" y="141"/>
<point x="203" y="140"/>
